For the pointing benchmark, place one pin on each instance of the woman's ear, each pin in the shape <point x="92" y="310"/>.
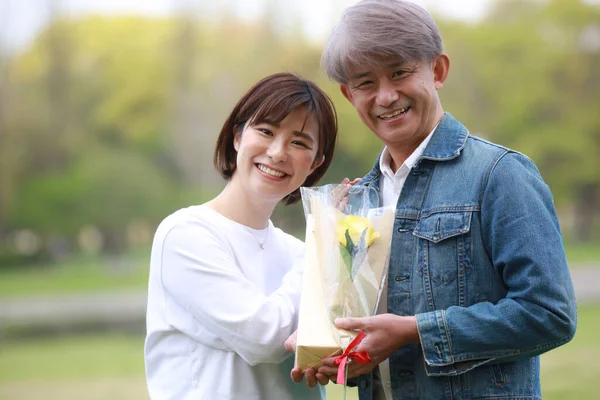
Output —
<point x="317" y="163"/>
<point x="236" y="137"/>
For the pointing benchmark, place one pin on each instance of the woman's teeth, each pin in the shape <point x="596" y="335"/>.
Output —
<point x="270" y="171"/>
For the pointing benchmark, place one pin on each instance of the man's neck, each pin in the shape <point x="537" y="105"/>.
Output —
<point x="400" y="153"/>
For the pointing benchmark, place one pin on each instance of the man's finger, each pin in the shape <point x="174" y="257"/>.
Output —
<point x="349" y="323"/>
<point x="328" y="362"/>
<point x="326" y="370"/>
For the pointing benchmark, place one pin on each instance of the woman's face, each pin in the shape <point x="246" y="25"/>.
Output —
<point x="274" y="159"/>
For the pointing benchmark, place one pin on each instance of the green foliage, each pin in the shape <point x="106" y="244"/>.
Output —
<point x="525" y="79"/>
<point x="346" y="256"/>
<point x="107" y="189"/>
<point x="112" y="119"/>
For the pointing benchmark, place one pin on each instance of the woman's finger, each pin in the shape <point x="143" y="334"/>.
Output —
<point x="322" y="378"/>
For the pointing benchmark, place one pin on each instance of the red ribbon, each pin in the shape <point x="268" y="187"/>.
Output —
<point x="361" y="357"/>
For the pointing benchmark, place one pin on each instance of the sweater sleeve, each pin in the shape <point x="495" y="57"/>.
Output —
<point x="200" y="276"/>
<point x="538" y="312"/>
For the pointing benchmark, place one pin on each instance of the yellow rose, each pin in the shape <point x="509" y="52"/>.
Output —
<point x="355" y="226"/>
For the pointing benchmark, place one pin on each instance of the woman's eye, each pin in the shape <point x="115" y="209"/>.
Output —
<point x="266" y="131"/>
<point x="302" y="144"/>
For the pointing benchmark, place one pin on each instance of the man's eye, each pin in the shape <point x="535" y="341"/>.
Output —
<point x="364" y="84"/>
<point x="399" y="74"/>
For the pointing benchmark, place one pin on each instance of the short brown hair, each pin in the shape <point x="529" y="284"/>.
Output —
<point x="272" y="99"/>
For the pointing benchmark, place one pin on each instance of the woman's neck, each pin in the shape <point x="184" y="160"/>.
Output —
<point x="239" y="207"/>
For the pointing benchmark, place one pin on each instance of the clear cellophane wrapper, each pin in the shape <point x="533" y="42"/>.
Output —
<point x="346" y="256"/>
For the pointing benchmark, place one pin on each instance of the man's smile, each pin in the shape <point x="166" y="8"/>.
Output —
<point x="394" y="114"/>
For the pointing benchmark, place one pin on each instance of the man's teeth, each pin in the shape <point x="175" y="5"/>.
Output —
<point x="394" y="114"/>
<point x="270" y="171"/>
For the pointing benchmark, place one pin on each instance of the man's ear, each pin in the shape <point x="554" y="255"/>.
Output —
<point x="346" y="92"/>
<point x="441" y="67"/>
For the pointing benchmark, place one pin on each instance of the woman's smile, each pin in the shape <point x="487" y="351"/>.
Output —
<point x="271" y="172"/>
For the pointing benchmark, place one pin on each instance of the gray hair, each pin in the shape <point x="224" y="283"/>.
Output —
<point x="372" y="32"/>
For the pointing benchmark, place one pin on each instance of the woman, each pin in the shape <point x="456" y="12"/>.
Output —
<point x="224" y="283"/>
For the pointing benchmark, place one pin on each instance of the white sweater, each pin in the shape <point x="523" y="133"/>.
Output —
<point x="220" y="309"/>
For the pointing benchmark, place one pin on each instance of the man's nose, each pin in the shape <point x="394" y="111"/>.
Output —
<point x="386" y="93"/>
<point x="277" y="150"/>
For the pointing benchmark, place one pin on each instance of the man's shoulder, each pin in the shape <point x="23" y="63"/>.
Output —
<point x="485" y="148"/>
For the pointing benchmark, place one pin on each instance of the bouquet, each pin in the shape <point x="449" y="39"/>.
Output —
<point x="347" y="252"/>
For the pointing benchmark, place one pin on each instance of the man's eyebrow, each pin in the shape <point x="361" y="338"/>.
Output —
<point x="360" y="75"/>
<point x="396" y="64"/>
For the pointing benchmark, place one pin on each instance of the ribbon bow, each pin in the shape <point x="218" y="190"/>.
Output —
<point x="361" y="357"/>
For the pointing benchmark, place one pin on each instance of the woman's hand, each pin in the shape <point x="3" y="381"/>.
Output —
<point x="312" y="376"/>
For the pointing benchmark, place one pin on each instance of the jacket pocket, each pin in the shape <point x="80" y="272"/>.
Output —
<point x="445" y="248"/>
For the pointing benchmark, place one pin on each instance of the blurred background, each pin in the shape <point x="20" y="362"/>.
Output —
<point x="108" y="116"/>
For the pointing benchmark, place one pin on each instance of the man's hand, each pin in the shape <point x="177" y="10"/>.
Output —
<point x="339" y="194"/>
<point x="351" y="182"/>
<point x="385" y="334"/>
<point x="312" y="376"/>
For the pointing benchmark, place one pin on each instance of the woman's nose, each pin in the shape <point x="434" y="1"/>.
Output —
<point x="277" y="150"/>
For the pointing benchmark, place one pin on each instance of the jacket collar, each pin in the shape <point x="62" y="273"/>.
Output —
<point x="447" y="142"/>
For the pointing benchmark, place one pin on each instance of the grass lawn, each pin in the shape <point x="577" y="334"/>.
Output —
<point x="79" y="274"/>
<point x="110" y="366"/>
<point x="583" y="254"/>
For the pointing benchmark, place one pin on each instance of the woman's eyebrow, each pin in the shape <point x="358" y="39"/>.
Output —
<point x="305" y="136"/>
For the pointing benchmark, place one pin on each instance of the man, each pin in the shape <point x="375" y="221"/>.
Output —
<point x="478" y="283"/>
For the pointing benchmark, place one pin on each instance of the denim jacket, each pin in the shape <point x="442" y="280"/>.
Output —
<point x="477" y="256"/>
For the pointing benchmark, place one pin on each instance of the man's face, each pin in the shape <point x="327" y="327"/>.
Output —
<point x="398" y="101"/>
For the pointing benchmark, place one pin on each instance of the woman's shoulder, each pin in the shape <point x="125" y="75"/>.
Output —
<point x="194" y="220"/>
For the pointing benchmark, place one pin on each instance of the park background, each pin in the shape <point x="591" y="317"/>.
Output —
<point x="108" y="118"/>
